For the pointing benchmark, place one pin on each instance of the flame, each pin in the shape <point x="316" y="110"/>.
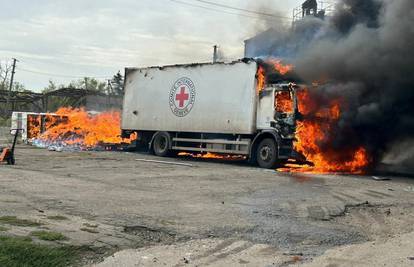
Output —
<point x="283" y="101"/>
<point x="279" y="67"/>
<point x="316" y="129"/>
<point x="210" y="155"/>
<point x="261" y="79"/>
<point x="86" y="130"/>
<point x="33" y="125"/>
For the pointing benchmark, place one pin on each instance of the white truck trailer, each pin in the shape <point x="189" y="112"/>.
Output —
<point x="209" y="107"/>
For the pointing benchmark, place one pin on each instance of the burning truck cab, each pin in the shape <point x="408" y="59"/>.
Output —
<point x="223" y="108"/>
<point x="280" y="101"/>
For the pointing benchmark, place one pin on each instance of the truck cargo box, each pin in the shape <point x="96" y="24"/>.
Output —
<point x="204" y="98"/>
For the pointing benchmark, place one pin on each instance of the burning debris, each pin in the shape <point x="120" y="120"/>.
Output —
<point x="77" y="129"/>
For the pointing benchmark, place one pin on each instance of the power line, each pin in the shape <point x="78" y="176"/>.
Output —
<point x="226" y="12"/>
<point x="61" y="75"/>
<point x="242" y="9"/>
<point x="212" y="9"/>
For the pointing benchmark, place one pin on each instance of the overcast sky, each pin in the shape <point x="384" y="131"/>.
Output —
<point x="96" y="38"/>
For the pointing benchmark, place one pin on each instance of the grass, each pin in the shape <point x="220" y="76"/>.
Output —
<point x="93" y="231"/>
<point x="48" y="236"/>
<point x="21" y="252"/>
<point x="2" y="228"/>
<point x="13" y="220"/>
<point x="58" y="217"/>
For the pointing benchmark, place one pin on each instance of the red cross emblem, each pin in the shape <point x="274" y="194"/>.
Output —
<point x="182" y="97"/>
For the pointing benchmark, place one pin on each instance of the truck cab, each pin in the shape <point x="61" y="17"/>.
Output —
<point x="276" y="122"/>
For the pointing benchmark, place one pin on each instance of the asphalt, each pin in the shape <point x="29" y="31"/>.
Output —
<point x="142" y="203"/>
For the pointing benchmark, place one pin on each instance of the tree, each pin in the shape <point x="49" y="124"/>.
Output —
<point x="5" y="72"/>
<point x="117" y="84"/>
<point x="91" y="84"/>
<point x="51" y="87"/>
<point x="19" y="87"/>
<point x="5" y="75"/>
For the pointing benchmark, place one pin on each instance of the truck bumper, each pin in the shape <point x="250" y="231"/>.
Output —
<point x="285" y="148"/>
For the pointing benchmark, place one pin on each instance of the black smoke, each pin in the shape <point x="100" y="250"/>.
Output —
<point x="352" y="12"/>
<point x="364" y="54"/>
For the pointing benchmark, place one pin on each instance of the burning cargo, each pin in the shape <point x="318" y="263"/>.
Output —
<point x="34" y="124"/>
<point x="219" y="108"/>
<point x="71" y="129"/>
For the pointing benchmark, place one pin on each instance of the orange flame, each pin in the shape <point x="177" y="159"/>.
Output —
<point x="315" y="129"/>
<point x="261" y="79"/>
<point x="279" y="67"/>
<point x="210" y="155"/>
<point x="276" y="65"/>
<point x="85" y="129"/>
<point x="33" y="125"/>
<point x="283" y="101"/>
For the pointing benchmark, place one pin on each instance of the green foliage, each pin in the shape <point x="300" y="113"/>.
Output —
<point x="117" y="84"/>
<point x="2" y="228"/>
<point x="18" y="87"/>
<point x="13" y="220"/>
<point x="21" y="252"/>
<point x="51" y="87"/>
<point x="48" y="236"/>
<point x="89" y="84"/>
<point x="55" y="102"/>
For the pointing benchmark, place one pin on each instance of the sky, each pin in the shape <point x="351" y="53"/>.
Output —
<point x="62" y="40"/>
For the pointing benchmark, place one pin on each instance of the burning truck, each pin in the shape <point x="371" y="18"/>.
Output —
<point x="248" y="109"/>
<point x="223" y="108"/>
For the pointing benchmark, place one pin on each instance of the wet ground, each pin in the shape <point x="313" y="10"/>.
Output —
<point x="230" y="212"/>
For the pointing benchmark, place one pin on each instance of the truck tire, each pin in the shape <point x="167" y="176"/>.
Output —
<point x="266" y="154"/>
<point x="161" y="144"/>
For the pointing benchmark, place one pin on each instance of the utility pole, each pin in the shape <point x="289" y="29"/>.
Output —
<point x="110" y="90"/>
<point x="11" y="84"/>
<point x="215" y="53"/>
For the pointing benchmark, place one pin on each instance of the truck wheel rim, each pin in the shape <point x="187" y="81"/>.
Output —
<point x="162" y="144"/>
<point x="266" y="153"/>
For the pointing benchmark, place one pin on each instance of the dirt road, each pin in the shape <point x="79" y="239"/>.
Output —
<point x="202" y="213"/>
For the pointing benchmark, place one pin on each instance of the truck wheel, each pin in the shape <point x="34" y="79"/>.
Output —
<point x="266" y="154"/>
<point x="161" y="144"/>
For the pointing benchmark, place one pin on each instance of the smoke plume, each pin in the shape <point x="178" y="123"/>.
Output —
<point x="364" y="55"/>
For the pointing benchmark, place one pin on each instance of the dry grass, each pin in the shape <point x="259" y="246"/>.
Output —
<point x="13" y="220"/>
<point x="57" y="217"/>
